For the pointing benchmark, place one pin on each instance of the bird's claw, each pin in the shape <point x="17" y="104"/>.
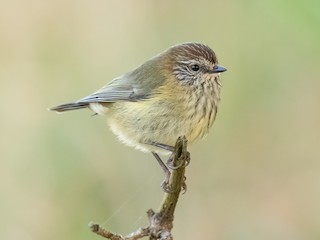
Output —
<point x="166" y="187"/>
<point x="170" y="162"/>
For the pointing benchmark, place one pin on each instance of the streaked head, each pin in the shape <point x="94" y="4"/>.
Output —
<point x="193" y="63"/>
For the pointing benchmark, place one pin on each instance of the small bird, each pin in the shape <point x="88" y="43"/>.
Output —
<point x="175" y="93"/>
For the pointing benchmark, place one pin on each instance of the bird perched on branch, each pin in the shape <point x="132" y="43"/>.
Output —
<point x="175" y="93"/>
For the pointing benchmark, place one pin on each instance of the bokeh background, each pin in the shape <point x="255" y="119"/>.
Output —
<point x="255" y="176"/>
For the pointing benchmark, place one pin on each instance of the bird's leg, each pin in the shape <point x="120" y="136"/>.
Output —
<point x="167" y="173"/>
<point x="170" y="159"/>
<point x="169" y="165"/>
<point x="163" y="146"/>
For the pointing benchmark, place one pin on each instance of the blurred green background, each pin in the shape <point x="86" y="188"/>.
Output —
<point x="256" y="175"/>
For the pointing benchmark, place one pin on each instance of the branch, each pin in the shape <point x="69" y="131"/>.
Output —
<point x="161" y="222"/>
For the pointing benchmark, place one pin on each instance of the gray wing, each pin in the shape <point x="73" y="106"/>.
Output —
<point x="139" y="84"/>
<point x="136" y="85"/>
<point x="121" y="88"/>
<point x="133" y="86"/>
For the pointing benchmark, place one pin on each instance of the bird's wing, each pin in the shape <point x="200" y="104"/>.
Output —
<point x="136" y="85"/>
<point x="119" y="89"/>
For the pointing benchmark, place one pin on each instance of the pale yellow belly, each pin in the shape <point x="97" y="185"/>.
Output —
<point x="139" y="123"/>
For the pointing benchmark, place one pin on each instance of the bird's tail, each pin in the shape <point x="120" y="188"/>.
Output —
<point x="69" y="106"/>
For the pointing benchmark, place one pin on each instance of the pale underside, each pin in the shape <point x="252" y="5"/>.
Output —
<point x="162" y="120"/>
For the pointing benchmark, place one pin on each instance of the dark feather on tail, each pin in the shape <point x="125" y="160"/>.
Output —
<point x="69" y="106"/>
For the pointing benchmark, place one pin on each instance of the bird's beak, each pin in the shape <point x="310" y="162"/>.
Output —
<point x="218" y="69"/>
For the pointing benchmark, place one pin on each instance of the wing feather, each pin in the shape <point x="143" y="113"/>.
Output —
<point x="121" y="88"/>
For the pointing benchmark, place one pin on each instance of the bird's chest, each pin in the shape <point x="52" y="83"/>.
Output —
<point x="201" y="109"/>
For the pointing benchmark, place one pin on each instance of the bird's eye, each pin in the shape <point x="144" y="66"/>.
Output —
<point x="195" y="67"/>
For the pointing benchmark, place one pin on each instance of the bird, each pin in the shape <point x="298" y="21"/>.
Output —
<point x="175" y="93"/>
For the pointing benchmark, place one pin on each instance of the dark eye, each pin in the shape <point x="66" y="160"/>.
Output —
<point x="195" y="67"/>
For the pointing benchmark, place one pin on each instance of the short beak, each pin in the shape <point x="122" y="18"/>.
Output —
<point x="218" y="69"/>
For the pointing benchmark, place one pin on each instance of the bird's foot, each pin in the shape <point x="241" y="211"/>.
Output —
<point x="172" y="167"/>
